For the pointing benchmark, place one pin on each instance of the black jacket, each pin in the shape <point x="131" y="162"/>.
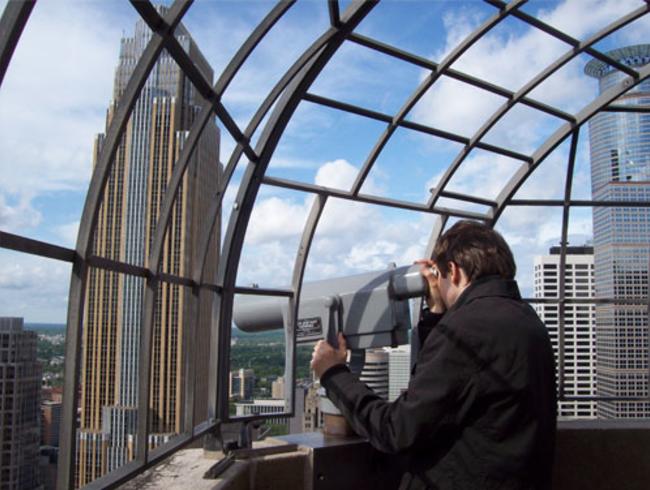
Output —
<point x="480" y="409"/>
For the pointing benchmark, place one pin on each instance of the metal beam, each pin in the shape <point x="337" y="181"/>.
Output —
<point x="180" y="168"/>
<point x="35" y="247"/>
<point x="579" y="203"/>
<point x="642" y="109"/>
<point x="564" y="241"/>
<point x="381" y="201"/>
<point x="587" y="301"/>
<point x="13" y="21"/>
<point x="294" y="302"/>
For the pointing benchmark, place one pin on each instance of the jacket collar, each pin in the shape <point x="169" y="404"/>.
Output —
<point x="487" y="286"/>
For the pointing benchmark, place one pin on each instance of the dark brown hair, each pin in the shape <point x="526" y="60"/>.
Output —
<point x="477" y="249"/>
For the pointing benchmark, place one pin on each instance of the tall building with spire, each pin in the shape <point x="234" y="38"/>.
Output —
<point x="156" y="132"/>
<point x="620" y="171"/>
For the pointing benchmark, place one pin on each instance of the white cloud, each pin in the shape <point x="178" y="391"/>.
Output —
<point x="339" y="174"/>
<point x="636" y="33"/>
<point x="483" y="175"/>
<point x="55" y="95"/>
<point x="33" y="287"/>
<point x="583" y="18"/>
<point x="68" y="233"/>
<point x="351" y="236"/>
<point x="16" y="217"/>
<point x="289" y="162"/>
<point x="274" y="219"/>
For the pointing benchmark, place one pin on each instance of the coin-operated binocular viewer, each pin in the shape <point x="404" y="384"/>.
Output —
<point x="371" y="309"/>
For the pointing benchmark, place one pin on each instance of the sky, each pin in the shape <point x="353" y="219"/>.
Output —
<point x="55" y="94"/>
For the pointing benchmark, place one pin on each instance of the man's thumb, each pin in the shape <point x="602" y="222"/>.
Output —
<point x="343" y="346"/>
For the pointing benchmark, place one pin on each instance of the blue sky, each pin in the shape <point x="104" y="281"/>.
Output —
<point x="55" y="94"/>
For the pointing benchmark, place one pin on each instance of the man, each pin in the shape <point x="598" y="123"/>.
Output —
<point x="480" y="409"/>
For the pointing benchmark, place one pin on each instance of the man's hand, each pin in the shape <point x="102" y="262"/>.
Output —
<point x="325" y="356"/>
<point x="430" y="273"/>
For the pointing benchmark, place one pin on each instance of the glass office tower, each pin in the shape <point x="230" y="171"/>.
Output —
<point x="620" y="171"/>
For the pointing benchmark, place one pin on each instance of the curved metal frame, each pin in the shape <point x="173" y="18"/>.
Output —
<point x="252" y="180"/>
<point x="285" y="96"/>
<point x="456" y="53"/>
<point x="526" y="89"/>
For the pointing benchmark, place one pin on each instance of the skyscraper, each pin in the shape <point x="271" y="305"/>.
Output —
<point x="242" y="384"/>
<point x="579" y="324"/>
<point x="620" y="171"/>
<point x="20" y="415"/>
<point x="156" y="131"/>
<point x="375" y="372"/>
<point x="399" y="370"/>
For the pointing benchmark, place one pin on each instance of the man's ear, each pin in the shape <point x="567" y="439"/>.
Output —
<point x="454" y="273"/>
<point x="457" y="275"/>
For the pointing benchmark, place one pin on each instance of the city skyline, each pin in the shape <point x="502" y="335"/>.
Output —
<point x="37" y="203"/>
<point x="398" y="123"/>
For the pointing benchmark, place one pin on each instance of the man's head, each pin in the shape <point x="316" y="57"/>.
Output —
<point x="467" y="251"/>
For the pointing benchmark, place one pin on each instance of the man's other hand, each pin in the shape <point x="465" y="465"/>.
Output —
<point x="430" y="272"/>
<point x="325" y="356"/>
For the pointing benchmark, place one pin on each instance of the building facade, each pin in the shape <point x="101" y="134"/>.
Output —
<point x="375" y="372"/>
<point x="399" y="370"/>
<point x="620" y="171"/>
<point x="312" y="413"/>
<point x="154" y="137"/>
<point x="262" y="406"/>
<point x="579" y="346"/>
<point x="51" y="422"/>
<point x="20" y="416"/>
<point x="242" y="384"/>
<point x="277" y="388"/>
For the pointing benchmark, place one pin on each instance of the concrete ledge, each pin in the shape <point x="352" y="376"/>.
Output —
<point x="591" y="455"/>
<point x="595" y="455"/>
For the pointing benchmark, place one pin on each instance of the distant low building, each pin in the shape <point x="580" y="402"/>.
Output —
<point x="54" y="394"/>
<point x="242" y="384"/>
<point x="263" y="406"/>
<point x="277" y="388"/>
<point x="50" y="422"/>
<point x="312" y="415"/>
